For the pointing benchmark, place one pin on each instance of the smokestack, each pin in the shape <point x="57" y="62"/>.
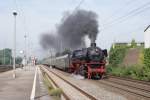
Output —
<point x="93" y="44"/>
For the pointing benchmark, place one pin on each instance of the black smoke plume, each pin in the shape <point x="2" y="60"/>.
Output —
<point x="72" y="30"/>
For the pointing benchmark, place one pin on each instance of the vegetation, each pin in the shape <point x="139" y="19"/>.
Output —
<point x="133" y="43"/>
<point x="18" y="60"/>
<point x="66" y="51"/>
<point x="117" y="55"/>
<point x="6" y="57"/>
<point x="54" y="92"/>
<point x="147" y="57"/>
<point x="140" y="71"/>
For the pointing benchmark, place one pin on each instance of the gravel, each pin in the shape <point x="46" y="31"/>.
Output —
<point x="69" y="90"/>
<point x="99" y="92"/>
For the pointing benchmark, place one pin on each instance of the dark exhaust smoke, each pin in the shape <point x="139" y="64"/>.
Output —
<point x="49" y="40"/>
<point x="72" y="30"/>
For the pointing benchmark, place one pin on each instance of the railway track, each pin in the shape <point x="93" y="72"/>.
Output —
<point x="131" y="87"/>
<point x="136" y="87"/>
<point x="129" y="79"/>
<point x="4" y="68"/>
<point x="90" y="97"/>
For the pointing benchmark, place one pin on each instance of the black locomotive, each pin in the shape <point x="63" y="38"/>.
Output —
<point x="89" y="62"/>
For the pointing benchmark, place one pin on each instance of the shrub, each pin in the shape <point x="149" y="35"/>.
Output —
<point x="56" y="92"/>
<point x="141" y="56"/>
<point x="117" y="55"/>
<point x="139" y="72"/>
<point x="133" y="43"/>
<point x="146" y="74"/>
<point x="147" y="57"/>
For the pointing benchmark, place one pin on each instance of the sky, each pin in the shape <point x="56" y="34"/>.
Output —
<point x="119" y="21"/>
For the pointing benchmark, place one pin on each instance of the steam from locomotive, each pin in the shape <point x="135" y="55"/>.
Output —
<point x="72" y="30"/>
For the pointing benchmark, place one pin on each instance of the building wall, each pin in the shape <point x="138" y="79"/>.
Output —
<point x="147" y="38"/>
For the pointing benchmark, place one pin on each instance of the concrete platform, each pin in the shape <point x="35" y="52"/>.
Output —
<point x="22" y="87"/>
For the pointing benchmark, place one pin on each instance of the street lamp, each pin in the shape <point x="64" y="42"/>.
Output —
<point x="25" y="52"/>
<point x="14" y="45"/>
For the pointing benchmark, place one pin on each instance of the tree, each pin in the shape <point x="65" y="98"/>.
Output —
<point x="66" y="51"/>
<point x="133" y="43"/>
<point x="18" y="60"/>
<point x="5" y="56"/>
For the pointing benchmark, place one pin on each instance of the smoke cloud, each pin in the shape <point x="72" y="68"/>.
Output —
<point x="72" y="30"/>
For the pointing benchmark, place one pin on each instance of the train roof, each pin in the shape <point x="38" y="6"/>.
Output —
<point x="64" y="56"/>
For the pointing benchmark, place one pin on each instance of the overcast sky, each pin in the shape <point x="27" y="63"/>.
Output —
<point x="119" y="20"/>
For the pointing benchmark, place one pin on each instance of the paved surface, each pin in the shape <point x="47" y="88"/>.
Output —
<point x="20" y="88"/>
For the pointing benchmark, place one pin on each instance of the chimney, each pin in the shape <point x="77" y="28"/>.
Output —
<point x="93" y="44"/>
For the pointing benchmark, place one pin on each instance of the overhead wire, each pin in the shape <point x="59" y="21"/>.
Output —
<point x="119" y="21"/>
<point x="118" y="10"/>
<point x="129" y="14"/>
<point x="78" y="6"/>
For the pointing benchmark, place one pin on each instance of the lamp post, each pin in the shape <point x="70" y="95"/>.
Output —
<point x="4" y="56"/>
<point x="14" y="45"/>
<point x="25" y="52"/>
<point x="50" y="56"/>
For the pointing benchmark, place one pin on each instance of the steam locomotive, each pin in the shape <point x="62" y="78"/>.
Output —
<point x="89" y="62"/>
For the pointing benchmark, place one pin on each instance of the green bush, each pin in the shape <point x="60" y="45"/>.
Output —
<point x="139" y="72"/>
<point x="117" y="55"/>
<point x="146" y="73"/>
<point x="141" y="56"/>
<point x="147" y="57"/>
<point x="133" y="43"/>
<point x="56" y="92"/>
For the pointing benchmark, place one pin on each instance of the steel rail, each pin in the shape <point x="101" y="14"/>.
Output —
<point x="65" y="96"/>
<point x="74" y="86"/>
<point x="130" y="79"/>
<point x="115" y="85"/>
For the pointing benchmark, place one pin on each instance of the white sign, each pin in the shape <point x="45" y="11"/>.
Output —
<point x="147" y="38"/>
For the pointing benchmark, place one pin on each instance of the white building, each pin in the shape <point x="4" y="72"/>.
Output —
<point x="147" y="37"/>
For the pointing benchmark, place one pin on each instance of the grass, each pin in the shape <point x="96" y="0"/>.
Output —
<point x="139" y="72"/>
<point x="54" y="92"/>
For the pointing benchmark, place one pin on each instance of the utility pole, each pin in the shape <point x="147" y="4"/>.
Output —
<point x="61" y="49"/>
<point x="4" y="56"/>
<point x="25" y="53"/>
<point x="14" y="45"/>
<point x="50" y="51"/>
